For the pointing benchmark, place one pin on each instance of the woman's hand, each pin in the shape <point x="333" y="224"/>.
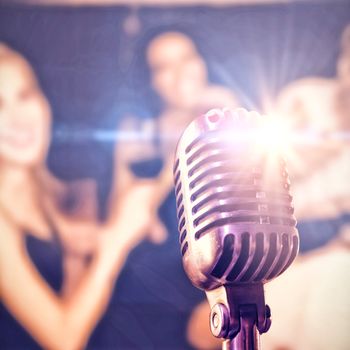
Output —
<point x="78" y="236"/>
<point x="135" y="219"/>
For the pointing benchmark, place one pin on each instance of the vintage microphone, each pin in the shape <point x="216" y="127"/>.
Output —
<point x="236" y="223"/>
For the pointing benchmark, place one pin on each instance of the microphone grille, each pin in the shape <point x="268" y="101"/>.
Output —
<point x="180" y="208"/>
<point x="234" y="200"/>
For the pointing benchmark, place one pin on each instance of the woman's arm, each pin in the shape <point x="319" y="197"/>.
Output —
<point x="134" y="145"/>
<point x="127" y="151"/>
<point x="66" y="323"/>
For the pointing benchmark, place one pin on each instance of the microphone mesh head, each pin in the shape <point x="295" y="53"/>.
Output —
<point x="234" y="208"/>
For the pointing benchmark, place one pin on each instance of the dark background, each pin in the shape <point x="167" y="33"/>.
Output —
<point x="93" y="73"/>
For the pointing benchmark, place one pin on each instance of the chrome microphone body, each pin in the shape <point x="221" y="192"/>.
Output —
<point x="236" y="223"/>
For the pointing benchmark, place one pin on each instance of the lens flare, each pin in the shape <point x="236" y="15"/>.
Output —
<point x="275" y="135"/>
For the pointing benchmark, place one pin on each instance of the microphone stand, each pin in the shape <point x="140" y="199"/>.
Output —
<point x="239" y="315"/>
<point x="247" y="338"/>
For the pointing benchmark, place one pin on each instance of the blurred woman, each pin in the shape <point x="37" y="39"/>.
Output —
<point x="179" y="76"/>
<point x="57" y="267"/>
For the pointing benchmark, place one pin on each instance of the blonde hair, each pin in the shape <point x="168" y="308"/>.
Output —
<point x="7" y="54"/>
<point x="4" y="48"/>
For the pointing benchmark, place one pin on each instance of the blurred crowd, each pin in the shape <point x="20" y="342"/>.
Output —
<point x="59" y="264"/>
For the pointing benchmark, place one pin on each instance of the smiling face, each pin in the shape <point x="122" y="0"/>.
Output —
<point x="179" y="74"/>
<point x="24" y="113"/>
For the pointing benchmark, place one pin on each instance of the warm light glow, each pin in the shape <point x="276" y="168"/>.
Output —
<point x="274" y="135"/>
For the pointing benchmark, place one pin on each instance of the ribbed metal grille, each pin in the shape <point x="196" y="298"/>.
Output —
<point x="232" y="184"/>
<point x="231" y="187"/>
<point x="235" y="214"/>
<point x="180" y="209"/>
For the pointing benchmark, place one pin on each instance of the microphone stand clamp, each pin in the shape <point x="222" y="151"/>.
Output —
<point x="238" y="315"/>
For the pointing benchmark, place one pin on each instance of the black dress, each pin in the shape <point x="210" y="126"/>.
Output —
<point x="47" y="258"/>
